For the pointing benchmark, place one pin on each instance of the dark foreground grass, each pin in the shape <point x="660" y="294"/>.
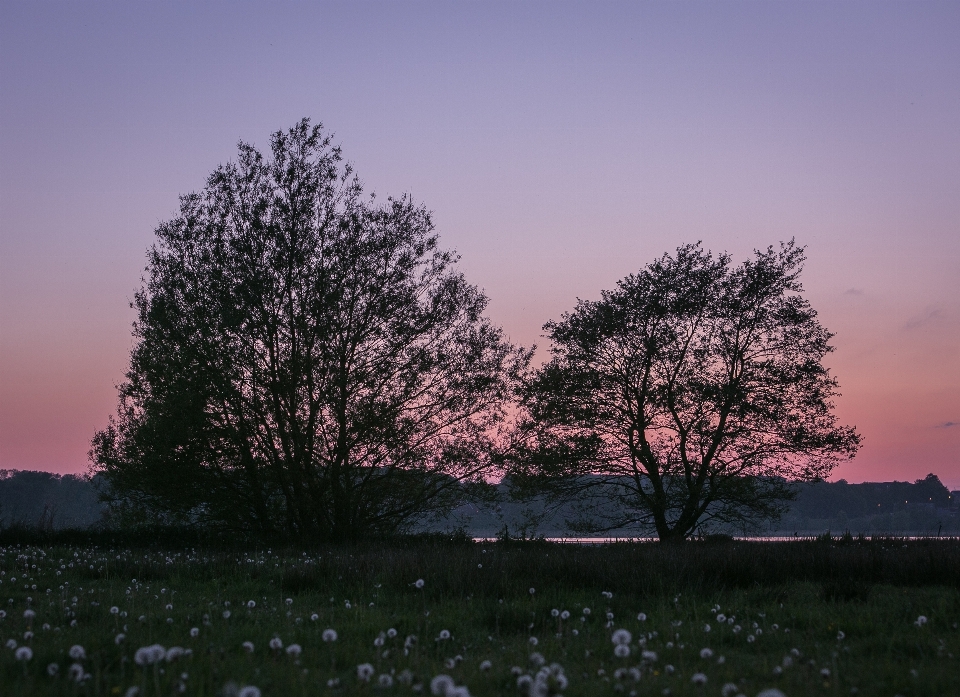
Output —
<point x="807" y="618"/>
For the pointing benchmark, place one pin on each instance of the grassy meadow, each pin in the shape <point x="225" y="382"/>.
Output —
<point x="838" y="617"/>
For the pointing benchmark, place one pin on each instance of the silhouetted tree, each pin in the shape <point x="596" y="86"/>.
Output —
<point x="691" y="395"/>
<point x="307" y="361"/>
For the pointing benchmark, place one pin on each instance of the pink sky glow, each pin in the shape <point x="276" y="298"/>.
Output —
<point x="560" y="145"/>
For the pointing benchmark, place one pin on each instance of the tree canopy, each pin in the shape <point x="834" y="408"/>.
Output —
<point x="307" y="360"/>
<point x="693" y="394"/>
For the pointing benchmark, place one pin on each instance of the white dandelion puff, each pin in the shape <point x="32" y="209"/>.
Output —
<point x="24" y="653"/>
<point x="364" y="672"/>
<point x="77" y="653"/>
<point x="621" y="636"/>
<point x="329" y="635"/>
<point x="706" y="653"/>
<point x="642" y="617"/>
<point x="698" y="679"/>
<point x="294" y="650"/>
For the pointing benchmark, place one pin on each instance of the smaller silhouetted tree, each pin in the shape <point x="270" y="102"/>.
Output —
<point x="692" y="395"/>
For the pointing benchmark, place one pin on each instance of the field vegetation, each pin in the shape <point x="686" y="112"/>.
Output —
<point x="114" y="615"/>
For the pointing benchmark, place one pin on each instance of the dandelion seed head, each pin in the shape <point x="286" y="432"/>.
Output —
<point x="24" y="653"/>
<point x="698" y="679"/>
<point x="621" y="636"/>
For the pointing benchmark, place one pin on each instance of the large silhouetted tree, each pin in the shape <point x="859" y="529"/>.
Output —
<point x="307" y="361"/>
<point x="691" y="395"/>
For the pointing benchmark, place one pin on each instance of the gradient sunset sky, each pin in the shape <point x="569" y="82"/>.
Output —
<point x="561" y="147"/>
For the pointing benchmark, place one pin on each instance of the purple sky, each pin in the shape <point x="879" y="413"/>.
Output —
<point x="561" y="147"/>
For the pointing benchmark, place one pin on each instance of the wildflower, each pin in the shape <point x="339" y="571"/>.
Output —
<point x="194" y="632"/>
<point x="771" y="692"/>
<point x="294" y="650"/>
<point x="11" y="644"/>
<point x="840" y="636"/>
<point x="419" y="583"/>
<point x="77" y="653"/>
<point x="668" y="669"/>
<point x="392" y="633"/>
<point x="380" y="640"/>
<point x="173" y="653"/>
<point x="314" y="617"/>
<point x="586" y="611"/>
<point x="133" y="691"/>
<point x="648" y="655"/>
<point x="247" y="646"/>
<point x="729" y="690"/>
<point x="364" y="672"/>
<point x="329" y="635"/>
<point x="169" y="607"/>
<point x="751" y="638"/>
<point x="276" y="644"/>
<point x="532" y="591"/>
<point x="825" y="673"/>
<point x="148" y="655"/>
<point x="921" y="620"/>
<point x="289" y="601"/>
<point x="226" y="614"/>
<point x="24" y="653"/>
<point x="706" y="627"/>
<point x="485" y="665"/>
<point x="385" y="680"/>
<point x="444" y="634"/>
<point x="621" y="636"/>
<point x="249" y="691"/>
<point x="442" y="685"/>
<point x="706" y="653"/>
<point x="52" y="669"/>
<point x="251" y="604"/>
<point x="27" y="635"/>
<point x="606" y="594"/>
<point x="642" y="617"/>
<point x="537" y="659"/>
<point x="533" y="641"/>
<point x="75" y="672"/>
<point x="29" y="614"/>
<point x="565" y="615"/>
<point x="736" y="629"/>
<point x="621" y="650"/>
<point x="554" y="612"/>
<point x="114" y="610"/>
<point x="698" y="679"/>
<point x="722" y="618"/>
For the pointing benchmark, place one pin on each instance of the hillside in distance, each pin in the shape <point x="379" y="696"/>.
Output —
<point x="46" y="501"/>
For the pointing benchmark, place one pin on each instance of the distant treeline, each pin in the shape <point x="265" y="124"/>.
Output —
<point x="46" y="501"/>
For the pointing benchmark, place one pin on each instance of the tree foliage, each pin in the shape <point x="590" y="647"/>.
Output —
<point x="691" y="395"/>
<point x="307" y="360"/>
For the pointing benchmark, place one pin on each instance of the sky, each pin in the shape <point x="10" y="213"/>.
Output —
<point x="561" y="146"/>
